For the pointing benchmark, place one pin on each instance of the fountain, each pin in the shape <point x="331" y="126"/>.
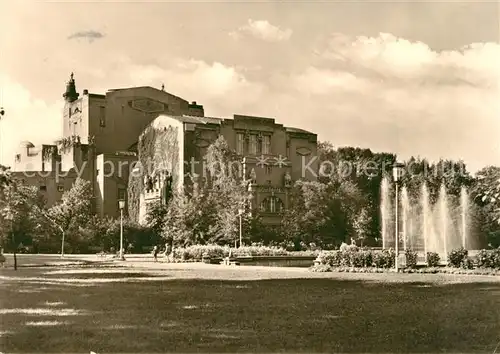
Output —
<point x="405" y="213"/>
<point x="426" y="216"/>
<point x="464" y="208"/>
<point x="443" y="219"/>
<point x="427" y="227"/>
<point x="386" y="211"/>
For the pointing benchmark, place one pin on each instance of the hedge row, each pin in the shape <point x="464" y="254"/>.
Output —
<point x="459" y="258"/>
<point x="427" y="270"/>
<point x="196" y="253"/>
<point x="353" y="257"/>
<point x="357" y="258"/>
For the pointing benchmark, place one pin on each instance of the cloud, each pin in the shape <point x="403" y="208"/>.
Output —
<point x="389" y="57"/>
<point x="392" y="94"/>
<point x="89" y="35"/>
<point x="385" y="93"/>
<point x="263" y="30"/>
<point x="26" y="118"/>
<point x="220" y="88"/>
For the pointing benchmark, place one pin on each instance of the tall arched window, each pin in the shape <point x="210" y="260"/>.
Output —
<point x="271" y="205"/>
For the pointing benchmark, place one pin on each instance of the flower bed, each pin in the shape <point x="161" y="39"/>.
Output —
<point x="200" y="253"/>
<point x="352" y="259"/>
<point x="427" y="270"/>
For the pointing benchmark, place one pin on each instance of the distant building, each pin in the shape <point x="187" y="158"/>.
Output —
<point x="101" y="134"/>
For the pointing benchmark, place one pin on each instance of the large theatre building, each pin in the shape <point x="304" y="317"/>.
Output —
<point x="100" y="141"/>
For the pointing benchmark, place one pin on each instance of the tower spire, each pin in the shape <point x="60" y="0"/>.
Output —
<point x="71" y="95"/>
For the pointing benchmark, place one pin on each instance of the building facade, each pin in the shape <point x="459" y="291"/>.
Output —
<point x="101" y="143"/>
<point x="271" y="157"/>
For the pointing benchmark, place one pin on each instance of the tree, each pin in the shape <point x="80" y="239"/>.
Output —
<point x="487" y="189"/>
<point x="361" y="224"/>
<point x="156" y="217"/>
<point x="18" y="214"/>
<point x="74" y="211"/>
<point x="226" y="188"/>
<point x="208" y="213"/>
<point x="322" y="213"/>
<point x="5" y="177"/>
<point x="361" y="168"/>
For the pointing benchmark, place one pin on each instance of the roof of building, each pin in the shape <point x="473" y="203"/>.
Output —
<point x="203" y="120"/>
<point x="186" y="119"/>
<point x="212" y="120"/>
<point x="146" y="87"/>
<point x="298" y="130"/>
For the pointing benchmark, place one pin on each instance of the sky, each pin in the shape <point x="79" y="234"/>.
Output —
<point x="414" y="78"/>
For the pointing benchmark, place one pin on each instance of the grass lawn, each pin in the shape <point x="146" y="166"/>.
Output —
<point x="138" y="310"/>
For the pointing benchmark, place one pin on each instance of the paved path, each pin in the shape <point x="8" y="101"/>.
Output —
<point x="145" y="263"/>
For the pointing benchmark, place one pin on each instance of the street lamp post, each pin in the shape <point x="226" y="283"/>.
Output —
<point x="240" y="214"/>
<point x="62" y="242"/>
<point x="397" y="171"/>
<point x="121" y="204"/>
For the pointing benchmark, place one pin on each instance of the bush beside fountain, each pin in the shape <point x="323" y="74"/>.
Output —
<point x="350" y="258"/>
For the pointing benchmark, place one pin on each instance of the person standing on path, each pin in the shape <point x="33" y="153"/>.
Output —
<point x="155" y="253"/>
<point x="2" y="258"/>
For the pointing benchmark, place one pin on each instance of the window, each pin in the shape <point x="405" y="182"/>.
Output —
<point x="240" y="144"/>
<point x="60" y="188"/>
<point x="269" y="170"/>
<point x="43" y="188"/>
<point x="271" y="205"/>
<point x="102" y="116"/>
<point x="18" y="157"/>
<point x="69" y="112"/>
<point x="266" y="144"/>
<point x="252" y="145"/>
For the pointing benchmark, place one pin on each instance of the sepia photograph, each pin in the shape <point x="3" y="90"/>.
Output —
<point x="256" y="176"/>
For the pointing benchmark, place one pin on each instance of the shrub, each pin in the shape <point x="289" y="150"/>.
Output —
<point x="488" y="258"/>
<point x="467" y="263"/>
<point x="384" y="259"/>
<point x="432" y="259"/>
<point x="331" y="258"/>
<point x="367" y="256"/>
<point x="259" y="251"/>
<point x="198" y="252"/>
<point x="411" y="258"/>
<point x="457" y="257"/>
<point x="355" y="259"/>
<point x="484" y="259"/>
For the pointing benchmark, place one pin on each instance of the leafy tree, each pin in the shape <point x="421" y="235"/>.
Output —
<point x="228" y="190"/>
<point x="103" y="234"/>
<point x="322" y="213"/>
<point x="73" y="212"/>
<point x="361" y="168"/>
<point x="361" y="225"/>
<point x="18" y="215"/>
<point x="487" y="189"/>
<point x="5" y="177"/>
<point x="208" y="213"/>
<point x="155" y="217"/>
